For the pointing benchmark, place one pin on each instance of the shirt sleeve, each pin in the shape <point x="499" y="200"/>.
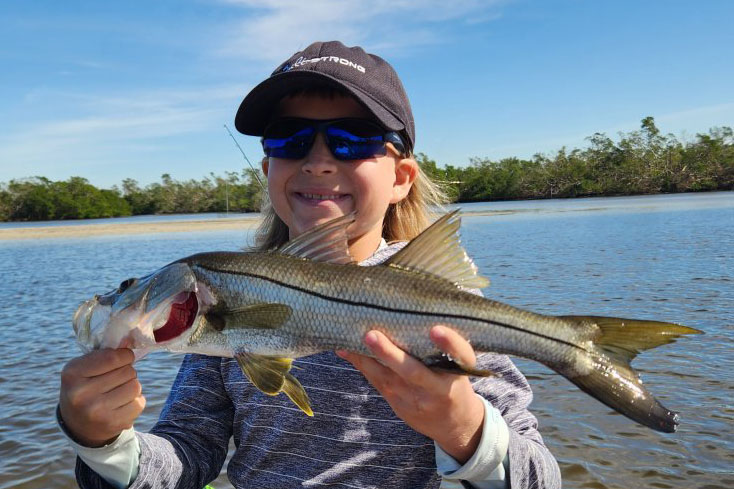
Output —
<point x="188" y="445"/>
<point x="528" y="462"/>
<point x="531" y="465"/>
<point x="117" y="462"/>
<point x="487" y="468"/>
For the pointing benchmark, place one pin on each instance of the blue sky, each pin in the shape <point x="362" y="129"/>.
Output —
<point x="111" y="90"/>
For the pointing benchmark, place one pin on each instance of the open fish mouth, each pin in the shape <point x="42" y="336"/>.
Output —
<point x="176" y="316"/>
<point x="142" y="312"/>
<point x="181" y="317"/>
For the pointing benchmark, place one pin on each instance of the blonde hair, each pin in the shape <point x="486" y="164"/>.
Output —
<point x="403" y="221"/>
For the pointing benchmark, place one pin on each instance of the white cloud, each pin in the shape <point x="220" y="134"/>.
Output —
<point x="275" y="29"/>
<point x="64" y="131"/>
<point x="720" y="112"/>
<point x="104" y="126"/>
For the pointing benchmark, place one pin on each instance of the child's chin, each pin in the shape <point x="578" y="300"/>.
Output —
<point x="306" y="223"/>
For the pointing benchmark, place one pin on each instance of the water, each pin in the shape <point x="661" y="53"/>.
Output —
<point x="204" y="216"/>
<point x="662" y="257"/>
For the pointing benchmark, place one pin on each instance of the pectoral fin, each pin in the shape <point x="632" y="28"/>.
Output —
<point x="271" y="375"/>
<point x="265" y="316"/>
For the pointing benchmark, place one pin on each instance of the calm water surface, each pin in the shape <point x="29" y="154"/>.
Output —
<point x="664" y="257"/>
<point x="204" y="216"/>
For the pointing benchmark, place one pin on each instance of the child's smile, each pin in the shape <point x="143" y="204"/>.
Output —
<point x="317" y="188"/>
<point x="319" y="197"/>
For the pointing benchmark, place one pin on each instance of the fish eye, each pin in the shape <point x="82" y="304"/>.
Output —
<point x="125" y="284"/>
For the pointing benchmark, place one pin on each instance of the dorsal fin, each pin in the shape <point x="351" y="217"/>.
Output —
<point x="438" y="251"/>
<point x="327" y="242"/>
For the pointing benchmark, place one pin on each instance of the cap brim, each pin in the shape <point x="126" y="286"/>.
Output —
<point x="258" y="106"/>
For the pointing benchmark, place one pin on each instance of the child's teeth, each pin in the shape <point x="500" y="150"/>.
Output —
<point x="320" y="197"/>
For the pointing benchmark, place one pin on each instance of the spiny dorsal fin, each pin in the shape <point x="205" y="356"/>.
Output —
<point x="271" y="375"/>
<point x="327" y="242"/>
<point x="438" y="251"/>
<point x="265" y="316"/>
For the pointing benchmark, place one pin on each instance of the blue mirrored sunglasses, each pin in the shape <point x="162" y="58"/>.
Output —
<point x="348" y="139"/>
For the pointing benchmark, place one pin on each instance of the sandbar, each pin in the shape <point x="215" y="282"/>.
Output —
<point x="122" y="228"/>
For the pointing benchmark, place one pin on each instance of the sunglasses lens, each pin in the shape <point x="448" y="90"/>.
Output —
<point x="348" y="139"/>
<point x="288" y="138"/>
<point x="355" y="139"/>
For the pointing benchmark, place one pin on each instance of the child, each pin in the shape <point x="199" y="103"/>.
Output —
<point x="391" y="422"/>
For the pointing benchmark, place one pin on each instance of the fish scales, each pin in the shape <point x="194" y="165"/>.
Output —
<point x="335" y="305"/>
<point x="266" y="308"/>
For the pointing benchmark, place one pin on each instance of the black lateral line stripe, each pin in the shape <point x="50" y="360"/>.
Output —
<point x="383" y="308"/>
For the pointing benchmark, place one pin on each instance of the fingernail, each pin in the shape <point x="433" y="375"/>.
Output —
<point x="370" y="339"/>
<point x="438" y="332"/>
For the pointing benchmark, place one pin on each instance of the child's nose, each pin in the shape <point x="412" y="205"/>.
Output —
<point x="319" y="160"/>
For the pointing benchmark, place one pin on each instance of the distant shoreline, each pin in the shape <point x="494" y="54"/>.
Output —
<point x="82" y="229"/>
<point x="123" y="228"/>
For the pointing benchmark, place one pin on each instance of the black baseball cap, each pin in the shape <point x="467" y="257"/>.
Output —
<point x="368" y="78"/>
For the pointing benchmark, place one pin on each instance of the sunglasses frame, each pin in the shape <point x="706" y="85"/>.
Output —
<point x="321" y="126"/>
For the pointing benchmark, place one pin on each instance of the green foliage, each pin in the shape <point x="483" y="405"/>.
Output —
<point x="642" y="162"/>
<point x="39" y="198"/>
<point x="442" y="177"/>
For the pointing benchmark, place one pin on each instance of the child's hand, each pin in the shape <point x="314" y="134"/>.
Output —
<point x="100" y="396"/>
<point x="441" y="406"/>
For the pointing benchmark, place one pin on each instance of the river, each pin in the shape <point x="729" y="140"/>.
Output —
<point x="667" y="257"/>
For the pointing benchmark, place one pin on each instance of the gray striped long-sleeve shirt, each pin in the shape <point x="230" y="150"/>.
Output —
<point x="353" y="441"/>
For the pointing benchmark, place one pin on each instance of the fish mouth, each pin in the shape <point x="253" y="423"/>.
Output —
<point x="82" y="321"/>
<point x="182" y="314"/>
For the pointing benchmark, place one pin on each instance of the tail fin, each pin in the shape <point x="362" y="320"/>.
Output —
<point x="613" y="381"/>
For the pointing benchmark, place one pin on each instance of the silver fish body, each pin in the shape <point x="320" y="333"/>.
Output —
<point x="333" y="306"/>
<point x="267" y="308"/>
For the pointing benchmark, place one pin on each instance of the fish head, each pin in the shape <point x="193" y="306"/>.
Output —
<point x="147" y="313"/>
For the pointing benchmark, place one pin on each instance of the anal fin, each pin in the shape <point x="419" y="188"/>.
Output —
<point x="447" y="364"/>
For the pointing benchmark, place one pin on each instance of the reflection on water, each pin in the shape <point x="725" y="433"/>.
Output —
<point x="663" y="257"/>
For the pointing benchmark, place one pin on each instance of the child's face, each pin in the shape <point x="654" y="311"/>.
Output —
<point x="319" y="187"/>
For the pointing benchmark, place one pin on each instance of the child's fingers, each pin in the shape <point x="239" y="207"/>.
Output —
<point x="105" y="383"/>
<point x="98" y="362"/>
<point x="452" y="343"/>
<point x="123" y="394"/>
<point x="129" y="412"/>
<point x="394" y="358"/>
<point x="372" y="370"/>
<point x="382" y="378"/>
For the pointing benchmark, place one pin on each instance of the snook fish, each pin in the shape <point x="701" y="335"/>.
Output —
<point x="266" y="308"/>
